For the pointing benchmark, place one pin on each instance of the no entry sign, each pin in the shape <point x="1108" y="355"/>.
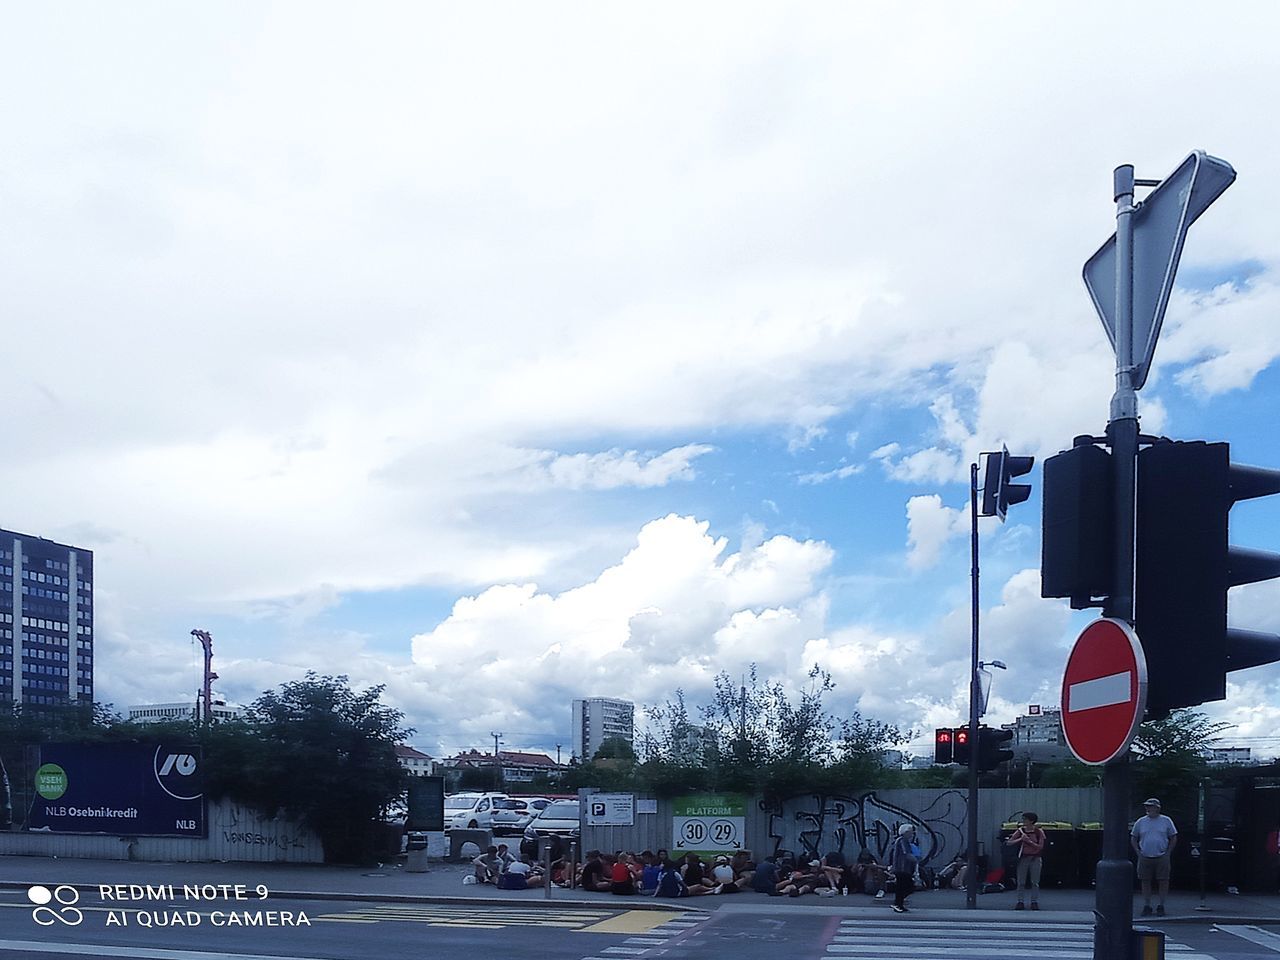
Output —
<point x="1104" y="691"/>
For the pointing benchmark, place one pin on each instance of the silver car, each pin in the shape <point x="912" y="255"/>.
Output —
<point x="512" y="815"/>
<point x="559" y="818"/>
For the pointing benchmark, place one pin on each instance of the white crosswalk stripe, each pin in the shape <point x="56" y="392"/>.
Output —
<point x="1253" y="934"/>
<point x="921" y="939"/>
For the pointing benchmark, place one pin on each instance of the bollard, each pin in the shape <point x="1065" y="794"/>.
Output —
<point x="573" y="864"/>
<point x="546" y="871"/>
<point x="1148" y="944"/>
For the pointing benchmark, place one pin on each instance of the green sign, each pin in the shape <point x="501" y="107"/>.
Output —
<point x="51" y="781"/>
<point x="708" y="824"/>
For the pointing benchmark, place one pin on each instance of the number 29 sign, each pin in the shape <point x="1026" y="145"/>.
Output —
<point x="708" y="824"/>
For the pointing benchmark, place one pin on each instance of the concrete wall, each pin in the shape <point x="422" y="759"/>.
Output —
<point x="812" y="825"/>
<point x="236" y="833"/>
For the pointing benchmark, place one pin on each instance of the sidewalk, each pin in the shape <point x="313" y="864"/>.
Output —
<point x="443" y="884"/>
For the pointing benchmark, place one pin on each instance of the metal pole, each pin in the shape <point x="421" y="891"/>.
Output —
<point x="546" y="870"/>
<point x="971" y="814"/>
<point x="1201" y="822"/>
<point x="1113" y="902"/>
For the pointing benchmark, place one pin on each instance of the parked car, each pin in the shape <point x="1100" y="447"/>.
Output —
<point x="558" y="818"/>
<point x="513" y="814"/>
<point x="470" y="811"/>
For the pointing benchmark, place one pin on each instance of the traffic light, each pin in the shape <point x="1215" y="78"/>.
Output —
<point x="960" y="745"/>
<point x="1184" y="567"/>
<point x="998" y="493"/>
<point x="1077" y="554"/>
<point x="990" y="753"/>
<point x="942" y="748"/>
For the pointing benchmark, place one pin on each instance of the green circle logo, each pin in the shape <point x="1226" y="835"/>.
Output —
<point x="51" y="781"/>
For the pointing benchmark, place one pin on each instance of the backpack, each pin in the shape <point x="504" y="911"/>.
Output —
<point x="670" y="884"/>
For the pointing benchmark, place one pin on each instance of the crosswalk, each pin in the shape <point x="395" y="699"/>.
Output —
<point x="657" y="939"/>
<point x="489" y="917"/>
<point x="921" y="939"/>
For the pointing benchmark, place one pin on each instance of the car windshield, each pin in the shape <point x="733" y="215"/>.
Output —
<point x="460" y="803"/>
<point x="509" y="804"/>
<point x="560" y="810"/>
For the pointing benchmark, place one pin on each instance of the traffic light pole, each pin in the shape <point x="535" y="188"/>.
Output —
<point x="971" y="815"/>
<point x="1113" y="902"/>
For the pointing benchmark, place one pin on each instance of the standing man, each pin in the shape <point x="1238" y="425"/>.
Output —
<point x="906" y="857"/>
<point x="1154" y="837"/>
<point x="1032" y="841"/>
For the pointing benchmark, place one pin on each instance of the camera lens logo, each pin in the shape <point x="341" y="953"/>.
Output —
<point x="66" y="913"/>
<point x="175" y="772"/>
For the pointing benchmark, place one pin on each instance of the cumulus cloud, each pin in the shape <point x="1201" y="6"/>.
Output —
<point x="929" y="526"/>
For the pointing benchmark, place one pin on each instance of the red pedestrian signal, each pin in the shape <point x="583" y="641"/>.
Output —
<point x="960" y="745"/>
<point x="942" y="745"/>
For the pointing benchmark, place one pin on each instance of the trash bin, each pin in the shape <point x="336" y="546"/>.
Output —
<point x="1061" y="855"/>
<point x="1221" y="863"/>
<point x="416" y="855"/>
<point x="1148" y="944"/>
<point x="1088" y="852"/>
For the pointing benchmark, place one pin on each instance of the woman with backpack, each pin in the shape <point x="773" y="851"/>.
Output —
<point x="1031" y="840"/>
<point x="905" y="858"/>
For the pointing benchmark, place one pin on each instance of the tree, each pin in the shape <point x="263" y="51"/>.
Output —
<point x="321" y="752"/>
<point x="615" y="748"/>
<point x="1172" y="753"/>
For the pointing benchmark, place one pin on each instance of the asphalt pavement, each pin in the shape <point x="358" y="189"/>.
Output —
<point x="443" y="883"/>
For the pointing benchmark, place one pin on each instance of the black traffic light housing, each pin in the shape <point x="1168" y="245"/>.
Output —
<point x="1184" y="567"/>
<point x="1077" y="558"/>
<point x="998" y="492"/>
<point x="990" y="753"/>
<point x="960" y="745"/>
<point x="942" y="745"/>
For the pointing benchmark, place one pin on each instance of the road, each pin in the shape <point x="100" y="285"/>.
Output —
<point x="177" y="929"/>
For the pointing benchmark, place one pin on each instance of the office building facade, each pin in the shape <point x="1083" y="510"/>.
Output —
<point x="596" y="719"/>
<point x="46" y="621"/>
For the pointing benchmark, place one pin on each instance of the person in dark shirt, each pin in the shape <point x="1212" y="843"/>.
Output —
<point x="765" y="879"/>
<point x="593" y="874"/>
<point x="833" y="867"/>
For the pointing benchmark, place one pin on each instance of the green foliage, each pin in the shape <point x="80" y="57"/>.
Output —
<point x="1069" y="773"/>
<point x="615" y="748"/>
<point x="314" y="749"/>
<point x="753" y="737"/>
<point x="1170" y="754"/>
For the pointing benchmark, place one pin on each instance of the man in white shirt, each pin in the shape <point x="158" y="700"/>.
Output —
<point x="1154" y="836"/>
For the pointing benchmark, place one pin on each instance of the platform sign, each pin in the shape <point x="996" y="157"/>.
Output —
<point x="708" y="824"/>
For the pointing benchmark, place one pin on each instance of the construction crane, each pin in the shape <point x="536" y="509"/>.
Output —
<point x="206" y="641"/>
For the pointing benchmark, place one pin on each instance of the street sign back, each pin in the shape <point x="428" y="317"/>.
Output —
<point x="1159" y="228"/>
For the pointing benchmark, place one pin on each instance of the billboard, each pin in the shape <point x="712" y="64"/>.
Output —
<point x="138" y="789"/>
<point x="426" y="804"/>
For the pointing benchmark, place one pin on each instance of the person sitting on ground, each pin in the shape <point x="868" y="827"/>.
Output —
<point x="622" y="882"/>
<point x="488" y="866"/>
<point x="669" y="882"/>
<point x="805" y="881"/>
<point x="520" y="876"/>
<point x="952" y="875"/>
<point x="505" y="857"/>
<point x="743" y="869"/>
<point x="764" y="879"/>
<point x="594" y="876"/>
<point x="649" y="867"/>
<point x="833" y="866"/>
<point x="867" y="876"/>
<point x="694" y="874"/>
<point x="722" y="876"/>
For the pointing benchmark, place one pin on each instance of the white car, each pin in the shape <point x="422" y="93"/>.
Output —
<point x="512" y="815"/>
<point x="559" y="818"/>
<point x="470" y="811"/>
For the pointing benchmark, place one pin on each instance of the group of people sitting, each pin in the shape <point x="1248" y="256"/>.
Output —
<point x="657" y="874"/>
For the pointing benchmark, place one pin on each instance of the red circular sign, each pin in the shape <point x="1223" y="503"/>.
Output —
<point x="1104" y="691"/>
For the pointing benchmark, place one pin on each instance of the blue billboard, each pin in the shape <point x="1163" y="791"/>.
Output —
<point x="138" y="789"/>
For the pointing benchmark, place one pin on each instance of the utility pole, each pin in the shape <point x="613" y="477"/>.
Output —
<point x="497" y="764"/>
<point x="971" y="806"/>
<point x="557" y="754"/>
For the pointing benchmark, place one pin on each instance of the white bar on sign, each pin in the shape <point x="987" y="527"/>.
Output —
<point x="1102" y="692"/>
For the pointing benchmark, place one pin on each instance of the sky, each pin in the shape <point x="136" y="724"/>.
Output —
<point x="505" y="354"/>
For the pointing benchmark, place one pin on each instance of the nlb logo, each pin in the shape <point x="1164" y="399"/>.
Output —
<point x="175" y="772"/>
<point x="65" y="896"/>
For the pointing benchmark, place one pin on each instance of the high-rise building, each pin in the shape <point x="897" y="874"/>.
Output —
<point x="46" y="621"/>
<point x="596" y="719"/>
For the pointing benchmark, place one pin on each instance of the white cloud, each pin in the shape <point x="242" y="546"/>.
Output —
<point x="929" y="526"/>
<point x="607" y="471"/>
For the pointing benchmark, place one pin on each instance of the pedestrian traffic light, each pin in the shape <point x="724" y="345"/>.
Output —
<point x="1184" y="567"/>
<point x="960" y="745"/>
<point x="990" y="753"/>
<point x="1077" y="553"/>
<point x="942" y="746"/>
<point x="998" y="493"/>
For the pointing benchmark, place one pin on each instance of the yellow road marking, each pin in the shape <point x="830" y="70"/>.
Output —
<point x="633" y="921"/>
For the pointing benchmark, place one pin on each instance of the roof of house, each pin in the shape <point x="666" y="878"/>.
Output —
<point x="474" y="758"/>
<point x="405" y="752"/>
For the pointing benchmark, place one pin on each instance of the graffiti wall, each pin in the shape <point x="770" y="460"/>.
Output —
<point x="812" y="825"/>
